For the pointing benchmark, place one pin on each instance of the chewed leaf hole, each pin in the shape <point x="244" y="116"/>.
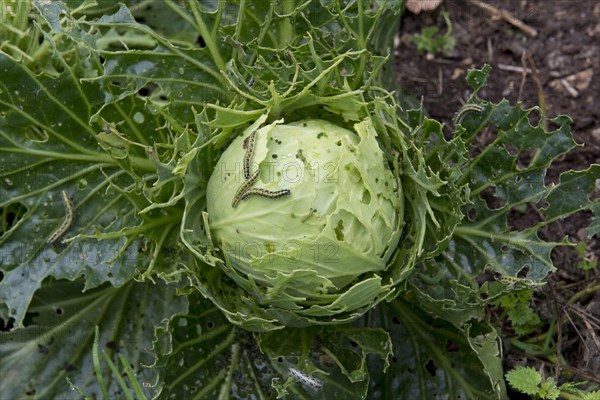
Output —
<point x="30" y="318"/>
<point x="534" y="117"/>
<point x="120" y="83"/>
<point x="511" y="149"/>
<point x="11" y="215"/>
<point x="484" y="277"/>
<point x="36" y="134"/>
<point x="147" y="90"/>
<point x="525" y="158"/>
<point x="524" y="216"/>
<point x="6" y="326"/>
<point x="493" y="202"/>
<point x="339" y="230"/>
<point x="431" y="368"/>
<point x="366" y="197"/>
<point x="472" y="214"/>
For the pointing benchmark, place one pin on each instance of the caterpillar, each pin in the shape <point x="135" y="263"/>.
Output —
<point x="312" y="210"/>
<point x="249" y="146"/>
<point x="314" y="383"/>
<point x="265" y="193"/>
<point x="242" y="189"/>
<point x="467" y="109"/>
<point x="512" y="280"/>
<point x="69" y="217"/>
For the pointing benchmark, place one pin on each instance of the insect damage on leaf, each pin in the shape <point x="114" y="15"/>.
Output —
<point x="395" y="202"/>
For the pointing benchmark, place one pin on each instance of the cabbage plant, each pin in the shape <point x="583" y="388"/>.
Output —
<point x="229" y="199"/>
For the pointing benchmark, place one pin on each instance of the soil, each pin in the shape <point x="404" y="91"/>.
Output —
<point x="565" y="54"/>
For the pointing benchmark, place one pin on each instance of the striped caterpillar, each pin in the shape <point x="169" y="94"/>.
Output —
<point x="314" y="383"/>
<point x="249" y="143"/>
<point x="242" y="189"/>
<point x="69" y="217"/>
<point x="467" y="109"/>
<point x="512" y="280"/>
<point x="265" y="193"/>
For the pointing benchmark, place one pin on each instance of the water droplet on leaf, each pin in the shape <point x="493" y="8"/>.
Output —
<point x="138" y="117"/>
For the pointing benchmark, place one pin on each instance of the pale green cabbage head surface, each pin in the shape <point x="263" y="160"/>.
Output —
<point x="318" y="251"/>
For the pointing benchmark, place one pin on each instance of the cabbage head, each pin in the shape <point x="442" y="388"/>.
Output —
<point x="316" y="253"/>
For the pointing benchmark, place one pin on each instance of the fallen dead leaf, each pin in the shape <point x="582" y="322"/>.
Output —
<point x="596" y="134"/>
<point x="581" y="80"/>
<point x="416" y="6"/>
<point x="457" y="73"/>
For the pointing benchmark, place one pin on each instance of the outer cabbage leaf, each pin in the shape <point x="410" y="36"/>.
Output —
<point x="55" y="136"/>
<point x="201" y="355"/>
<point x="47" y="147"/>
<point x="501" y="180"/>
<point x="56" y="342"/>
<point x="432" y="358"/>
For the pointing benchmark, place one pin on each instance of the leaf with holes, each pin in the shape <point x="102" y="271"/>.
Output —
<point x="506" y="175"/>
<point x="56" y="342"/>
<point x="432" y="358"/>
<point x="201" y="355"/>
<point x="46" y="148"/>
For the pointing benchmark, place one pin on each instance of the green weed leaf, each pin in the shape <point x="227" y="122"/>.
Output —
<point x="525" y="379"/>
<point x="431" y="41"/>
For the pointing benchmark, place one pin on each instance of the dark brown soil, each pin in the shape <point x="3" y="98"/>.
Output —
<point x="566" y="55"/>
